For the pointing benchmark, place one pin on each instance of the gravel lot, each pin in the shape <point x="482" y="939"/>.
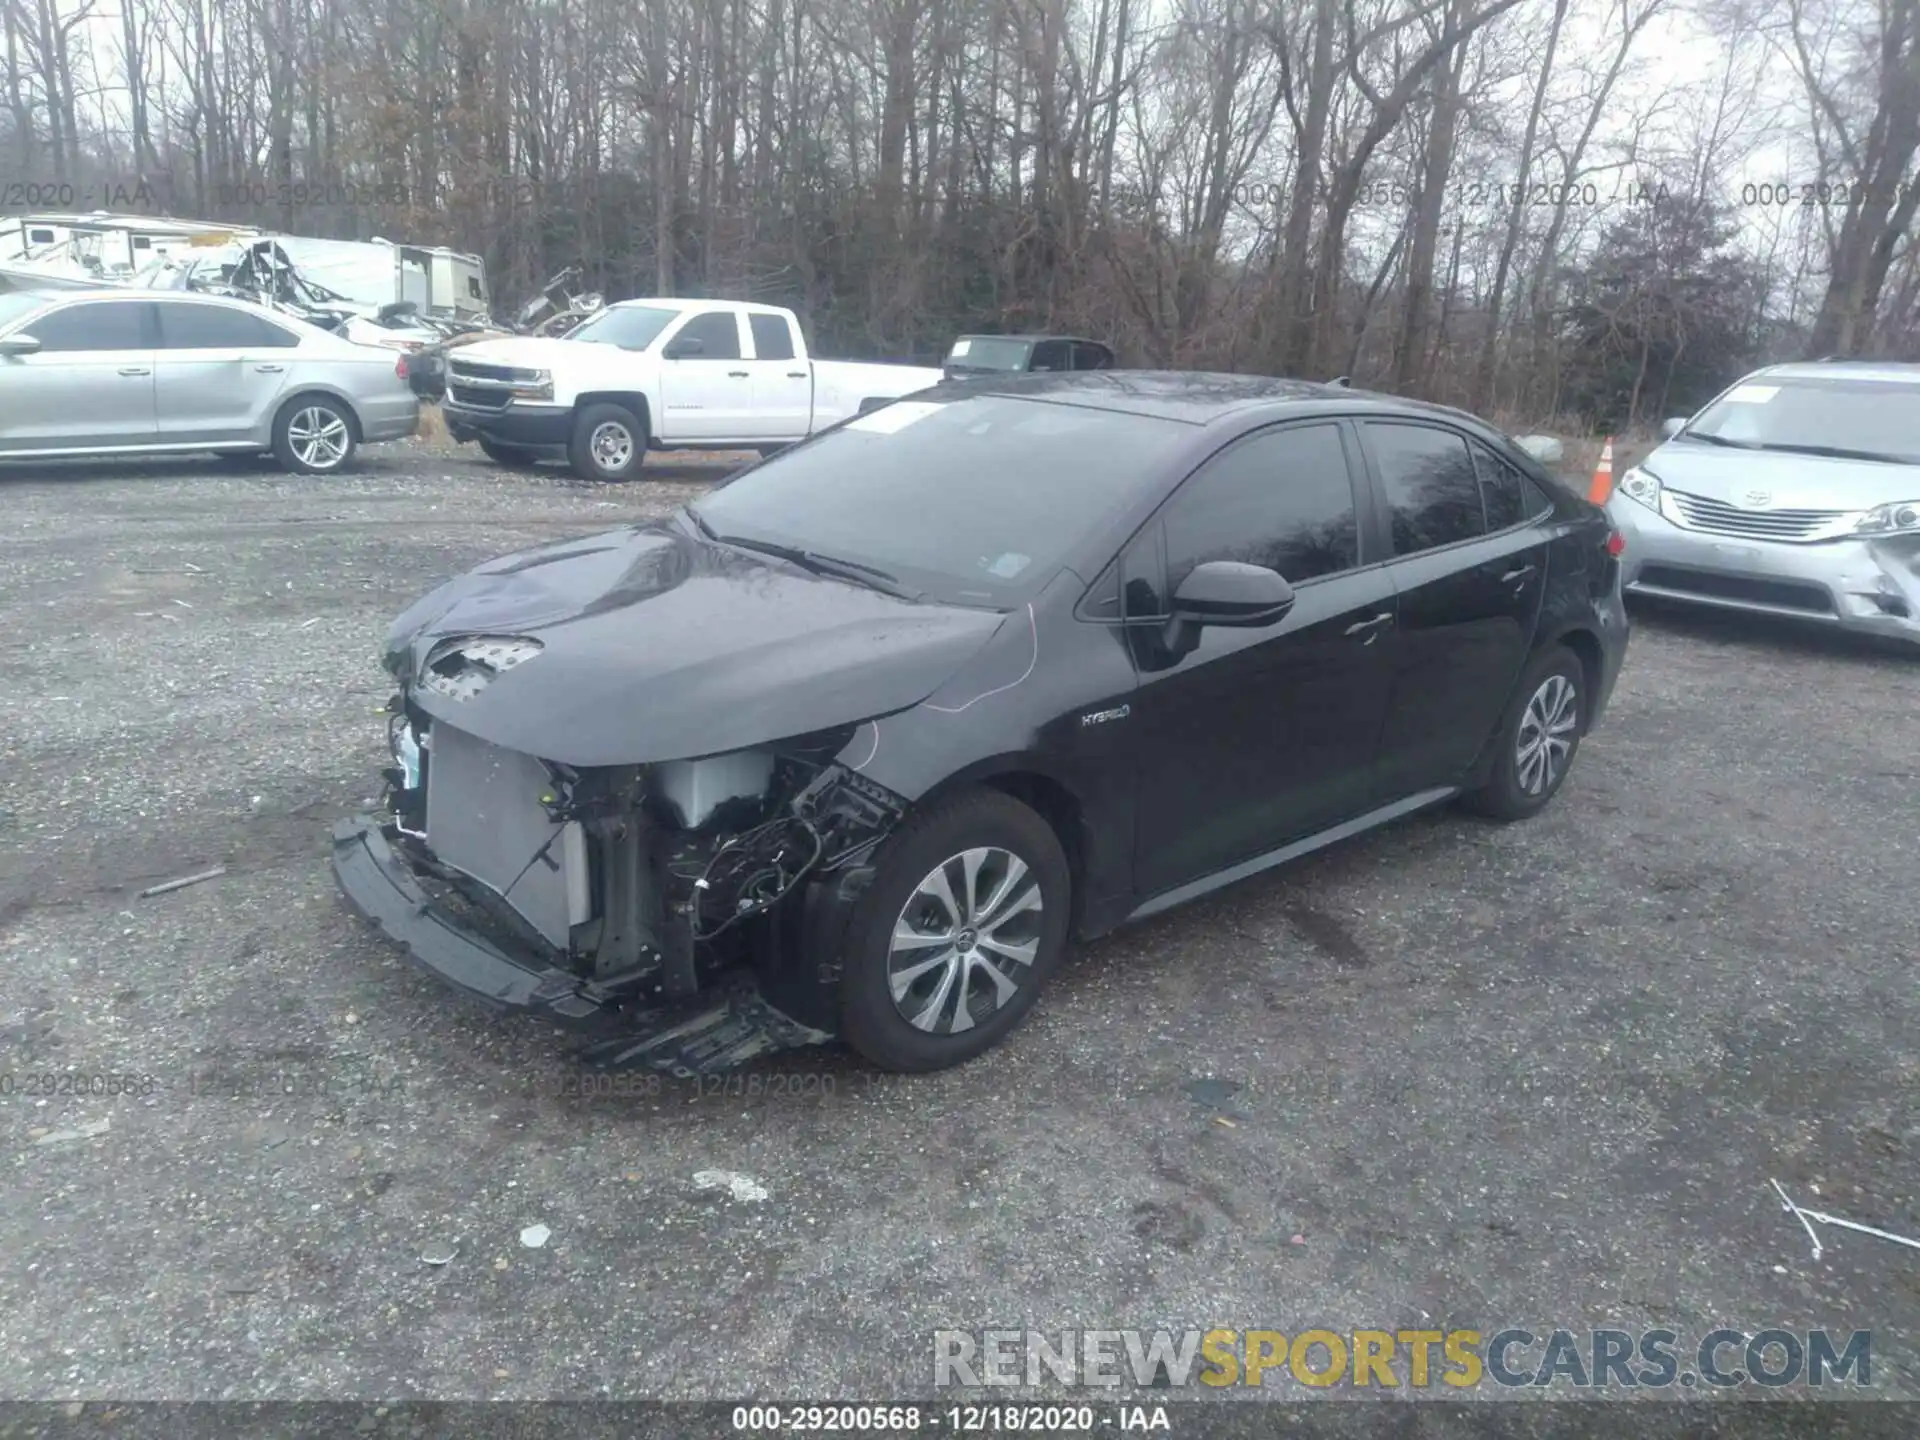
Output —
<point x="1460" y="1074"/>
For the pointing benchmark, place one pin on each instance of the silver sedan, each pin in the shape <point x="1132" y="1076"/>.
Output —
<point x="1795" y="493"/>
<point x="107" y="372"/>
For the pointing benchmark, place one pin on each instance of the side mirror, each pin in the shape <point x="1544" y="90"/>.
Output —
<point x="19" y="345"/>
<point x="1672" y="426"/>
<point x="684" y="349"/>
<point x="1230" y="592"/>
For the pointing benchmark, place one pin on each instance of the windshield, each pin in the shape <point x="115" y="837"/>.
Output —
<point x="977" y="352"/>
<point x="971" y="502"/>
<point x="631" y="327"/>
<point x="1871" y="418"/>
<point x="15" y="304"/>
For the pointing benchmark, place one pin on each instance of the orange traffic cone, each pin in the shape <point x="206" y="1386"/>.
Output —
<point x="1601" y="490"/>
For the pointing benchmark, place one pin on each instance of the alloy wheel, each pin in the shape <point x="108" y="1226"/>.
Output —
<point x="318" y="437"/>
<point x="1546" y="735"/>
<point x="965" y="941"/>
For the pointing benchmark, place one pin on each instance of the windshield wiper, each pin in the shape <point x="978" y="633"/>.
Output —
<point x="871" y="576"/>
<point x="1840" y="452"/>
<point x="1719" y="440"/>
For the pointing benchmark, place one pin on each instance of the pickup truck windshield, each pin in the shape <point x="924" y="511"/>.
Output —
<point x="1870" y="419"/>
<point x="631" y="327"/>
<point x="972" y="502"/>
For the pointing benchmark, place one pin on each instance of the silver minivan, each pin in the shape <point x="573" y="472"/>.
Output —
<point x="114" y="372"/>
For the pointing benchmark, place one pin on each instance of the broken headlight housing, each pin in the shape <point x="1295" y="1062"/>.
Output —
<point x="1641" y="485"/>
<point x="462" y="667"/>
<point x="1902" y="517"/>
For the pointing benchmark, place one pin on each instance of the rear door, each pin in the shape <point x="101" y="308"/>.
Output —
<point x="88" y="387"/>
<point x="782" y="381"/>
<point x="1051" y="355"/>
<point x="1469" y="569"/>
<point x="706" y="386"/>
<point x="1257" y="737"/>
<point x="218" y="372"/>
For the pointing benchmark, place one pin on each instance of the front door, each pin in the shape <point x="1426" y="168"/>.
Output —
<point x="89" y="387"/>
<point x="706" y="387"/>
<point x="1469" y="569"/>
<point x="218" y="372"/>
<point x="1257" y="737"/>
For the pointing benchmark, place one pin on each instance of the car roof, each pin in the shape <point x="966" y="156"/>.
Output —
<point x="1193" y="397"/>
<point x="681" y="302"/>
<point x="1894" y="371"/>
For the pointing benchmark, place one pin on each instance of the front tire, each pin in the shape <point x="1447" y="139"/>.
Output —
<point x="966" y="919"/>
<point x="1538" y="738"/>
<point x="314" y="435"/>
<point x="608" y="444"/>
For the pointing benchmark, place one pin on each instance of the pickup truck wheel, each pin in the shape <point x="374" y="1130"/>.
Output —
<point x="964" y="922"/>
<point x="609" y="442"/>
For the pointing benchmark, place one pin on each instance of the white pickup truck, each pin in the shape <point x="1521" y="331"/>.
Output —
<point x="660" y="375"/>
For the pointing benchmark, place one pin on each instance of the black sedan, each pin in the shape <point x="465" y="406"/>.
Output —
<point x="857" y="742"/>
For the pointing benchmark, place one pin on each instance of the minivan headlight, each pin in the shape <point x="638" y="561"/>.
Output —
<point x="1901" y="517"/>
<point x="1637" y="484"/>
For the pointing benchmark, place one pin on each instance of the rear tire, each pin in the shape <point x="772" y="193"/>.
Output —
<point x="314" y="435"/>
<point x="927" y="983"/>
<point x="609" y="442"/>
<point x="504" y="454"/>
<point x="1537" y="740"/>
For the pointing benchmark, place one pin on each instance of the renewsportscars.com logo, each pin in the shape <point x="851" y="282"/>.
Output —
<point x="1436" y="1360"/>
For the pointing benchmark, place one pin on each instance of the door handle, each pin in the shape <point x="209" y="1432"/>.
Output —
<point x="1520" y="574"/>
<point x="1374" y="624"/>
<point x="269" y="369"/>
<point x="135" y="370"/>
<point x="739" y="374"/>
<point x="796" y="374"/>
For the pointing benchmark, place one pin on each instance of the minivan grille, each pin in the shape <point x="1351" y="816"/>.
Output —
<point x="1716" y="517"/>
<point x="1748" y="589"/>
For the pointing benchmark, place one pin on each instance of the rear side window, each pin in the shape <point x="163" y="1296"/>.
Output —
<point x="211" y="327"/>
<point x="112" y="325"/>
<point x="1432" y="489"/>
<point x="1090" y="357"/>
<point x="1509" y="496"/>
<point x="772" y="340"/>
<point x="1050" y="355"/>
<point x="1282" y="499"/>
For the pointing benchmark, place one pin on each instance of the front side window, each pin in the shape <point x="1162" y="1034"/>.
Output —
<point x="717" y="333"/>
<point x="110" y="325"/>
<point x="1283" y="499"/>
<point x="1432" y="490"/>
<point x="988" y="352"/>
<point x="972" y="501"/>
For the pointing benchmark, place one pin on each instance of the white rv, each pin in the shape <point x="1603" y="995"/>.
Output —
<point x="107" y="246"/>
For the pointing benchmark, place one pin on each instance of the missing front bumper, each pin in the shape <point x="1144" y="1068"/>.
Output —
<point x="704" y="1035"/>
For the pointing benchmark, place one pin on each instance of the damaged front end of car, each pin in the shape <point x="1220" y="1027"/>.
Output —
<point x="689" y="915"/>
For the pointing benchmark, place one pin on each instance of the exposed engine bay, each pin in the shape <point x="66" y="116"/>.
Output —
<point x="650" y="883"/>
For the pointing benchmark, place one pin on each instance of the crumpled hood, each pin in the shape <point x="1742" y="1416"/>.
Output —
<point x="659" y="645"/>
<point x="1792" y="482"/>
